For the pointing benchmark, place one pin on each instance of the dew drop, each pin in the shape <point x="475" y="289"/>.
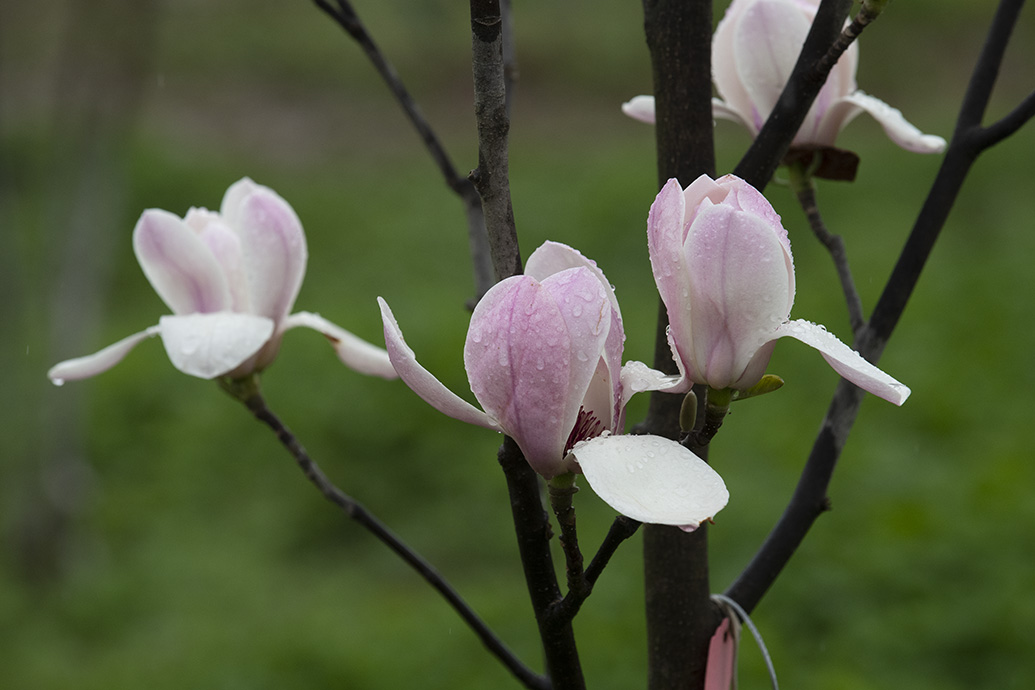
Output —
<point x="58" y="382"/>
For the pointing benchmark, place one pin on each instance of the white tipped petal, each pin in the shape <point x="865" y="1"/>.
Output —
<point x="273" y="251"/>
<point x="637" y="377"/>
<point x="210" y="345"/>
<point x="356" y="353"/>
<point x="422" y="382"/>
<point x="91" y="365"/>
<point x="640" y="108"/>
<point x="898" y="129"/>
<point x="846" y="361"/>
<point x="652" y="479"/>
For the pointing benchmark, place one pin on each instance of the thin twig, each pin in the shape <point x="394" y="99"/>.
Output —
<point x="346" y="17"/>
<point x="562" y="491"/>
<point x="621" y="529"/>
<point x="968" y="141"/>
<point x="247" y="392"/>
<point x="805" y="190"/>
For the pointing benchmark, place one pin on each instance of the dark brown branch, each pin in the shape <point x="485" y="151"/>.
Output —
<point x="968" y="141"/>
<point x="680" y="614"/>
<point x="532" y="527"/>
<point x="248" y="393"/>
<point x="491" y="177"/>
<point x="346" y="17"/>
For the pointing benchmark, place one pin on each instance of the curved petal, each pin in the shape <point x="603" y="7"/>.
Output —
<point x="739" y="291"/>
<point x="898" y="129"/>
<point x="665" y="225"/>
<point x="420" y="380"/>
<point x="274" y="251"/>
<point x="178" y="264"/>
<point x="724" y="70"/>
<point x="637" y="377"/>
<point x="234" y="198"/>
<point x="91" y="365"/>
<point x="211" y="345"/>
<point x="846" y="361"/>
<point x="554" y="257"/>
<point x="722" y="110"/>
<point x="652" y="479"/>
<point x="640" y="108"/>
<point x="364" y="357"/>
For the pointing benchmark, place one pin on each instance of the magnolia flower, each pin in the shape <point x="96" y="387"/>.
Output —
<point x="543" y="357"/>
<point x="754" y="50"/>
<point x="723" y="266"/>
<point x="230" y="279"/>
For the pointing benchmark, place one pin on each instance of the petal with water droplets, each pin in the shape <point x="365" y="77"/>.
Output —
<point x="210" y="345"/>
<point x="652" y="479"/>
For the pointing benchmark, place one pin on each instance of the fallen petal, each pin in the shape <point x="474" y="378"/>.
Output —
<point x="421" y="381"/>
<point x="91" y="365"/>
<point x="652" y="479"/>
<point x="846" y="361"/>
<point x="210" y="345"/>
<point x="358" y="354"/>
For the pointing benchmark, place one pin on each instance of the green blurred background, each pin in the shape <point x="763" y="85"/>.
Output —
<point x="155" y="535"/>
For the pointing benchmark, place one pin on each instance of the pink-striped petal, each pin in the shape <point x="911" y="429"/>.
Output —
<point x="180" y="267"/>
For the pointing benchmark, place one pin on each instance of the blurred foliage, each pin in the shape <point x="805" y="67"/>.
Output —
<point x="156" y="535"/>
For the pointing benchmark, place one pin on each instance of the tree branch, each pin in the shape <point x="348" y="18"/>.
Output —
<point x="247" y="391"/>
<point x="491" y="177"/>
<point x="532" y="527"/>
<point x="346" y="17"/>
<point x="809" y="499"/>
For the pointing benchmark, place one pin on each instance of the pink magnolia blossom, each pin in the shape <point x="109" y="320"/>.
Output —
<point x="230" y="280"/>
<point x="543" y="357"/>
<point x="754" y="50"/>
<point x="723" y="266"/>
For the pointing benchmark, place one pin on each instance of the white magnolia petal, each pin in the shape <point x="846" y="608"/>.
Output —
<point x="234" y="197"/>
<point x="422" y="382"/>
<point x="91" y="365"/>
<point x="637" y="377"/>
<point x="640" y="108"/>
<point x="724" y="111"/>
<point x="845" y="361"/>
<point x="898" y="129"/>
<point x="652" y="479"/>
<point x="210" y="345"/>
<point x="364" y="357"/>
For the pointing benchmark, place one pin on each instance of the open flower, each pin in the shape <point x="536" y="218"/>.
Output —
<point x="723" y="266"/>
<point x="754" y="50"/>
<point x="230" y="279"/>
<point x="543" y="357"/>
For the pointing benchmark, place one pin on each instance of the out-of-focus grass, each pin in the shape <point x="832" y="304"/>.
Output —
<point x="201" y="558"/>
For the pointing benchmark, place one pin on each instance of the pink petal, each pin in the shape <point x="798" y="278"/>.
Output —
<point x="735" y="99"/>
<point x="233" y="200"/>
<point x="665" y="226"/>
<point x="91" y="365"/>
<point x="274" y="251"/>
<point x="652" y="479"/>
<point x="739" y="291"/>
<point x="420" y="380"/>
<point x="846" y="361"/>
<point x="640" y="108"/>
<point x="766" y="42"/>
<point x="211" y="345"/>
<point x="355" y="352"/>
<point x="179" y="265"/>
<point x="722" y="658"/>
<point x="554" y="257"/>
<point x="531" y="353"/>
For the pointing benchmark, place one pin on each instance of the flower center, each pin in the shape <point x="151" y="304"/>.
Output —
<point x="587" y="425"/>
